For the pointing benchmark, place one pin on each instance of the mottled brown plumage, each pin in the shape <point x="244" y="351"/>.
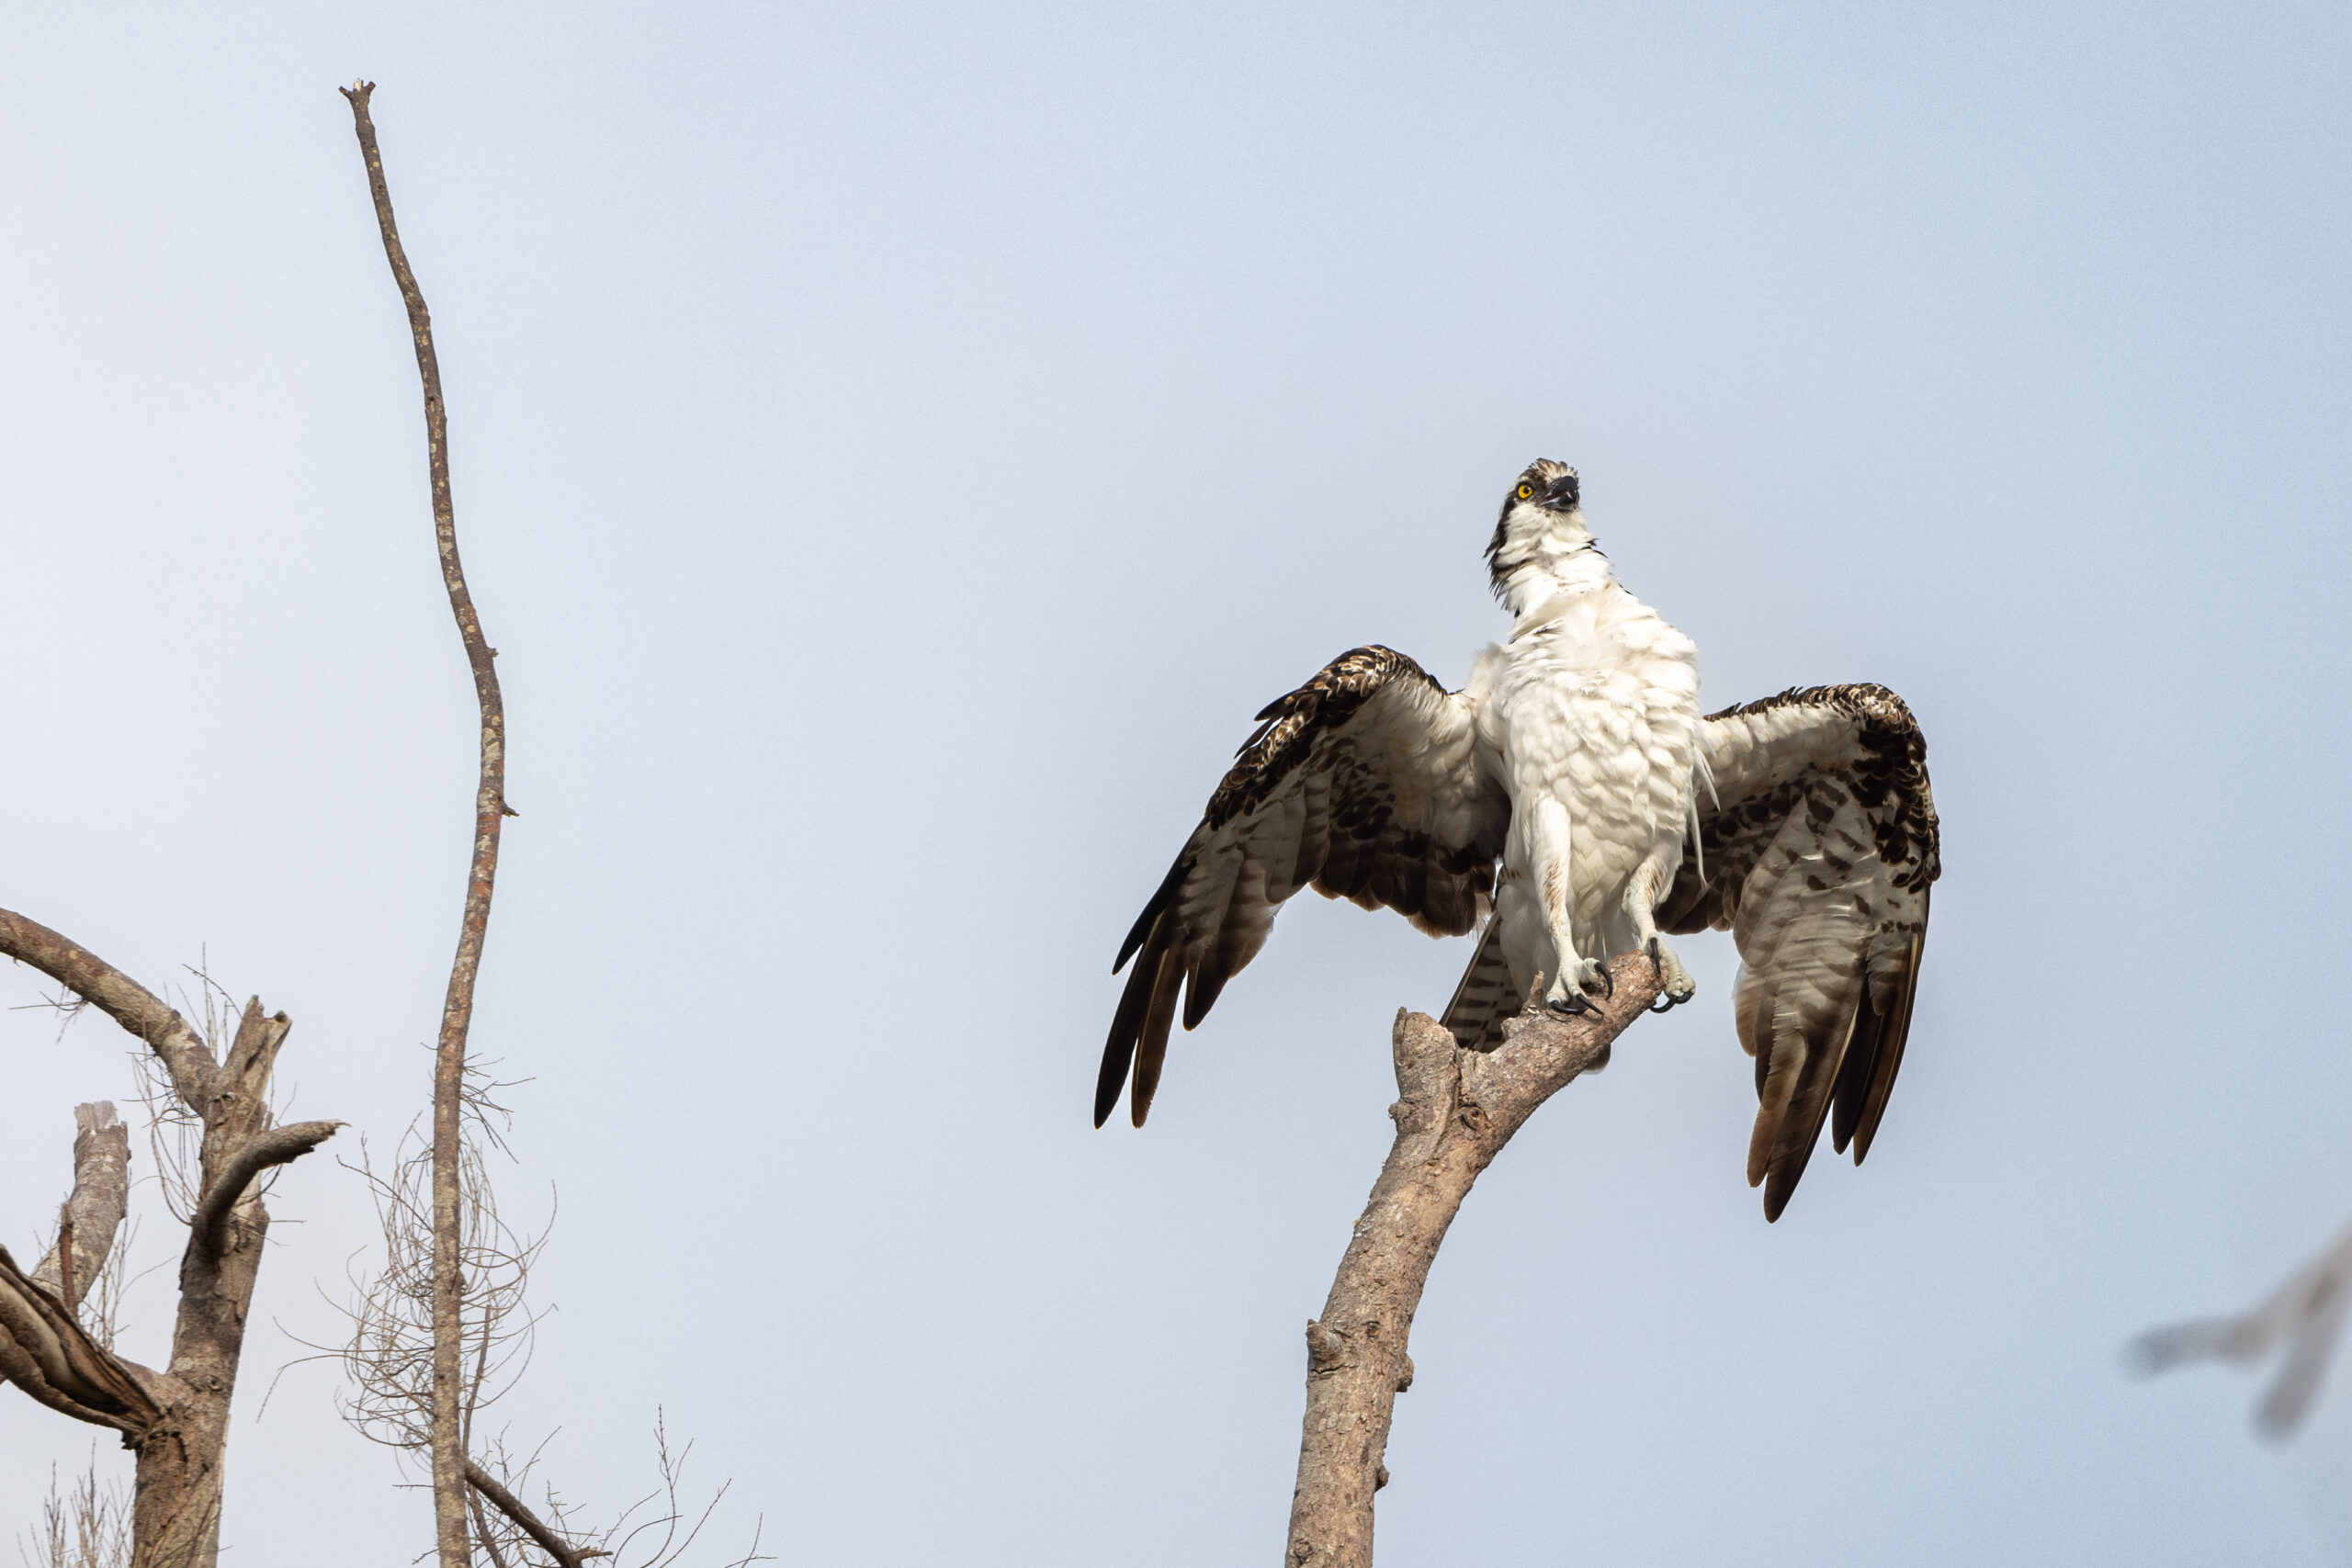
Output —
<point x="1816" y="848"/>
<point x="1333" y="792"/>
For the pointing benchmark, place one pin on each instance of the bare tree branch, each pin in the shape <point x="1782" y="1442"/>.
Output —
<point x="1456" y="1111"/>
<point x="485" y="1533"/>
<point x="183" y="1053"/>
<point x="94" y="1213"/>
<point x="490" y="808"/>
<point x="2305" y="1314"/>
<point x="45" y="1352"/>
<point x="275" y="1147"/>
<point x="566" y="1554"/>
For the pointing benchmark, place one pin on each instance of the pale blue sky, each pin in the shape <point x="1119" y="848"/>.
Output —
<point x="897" y="448"/>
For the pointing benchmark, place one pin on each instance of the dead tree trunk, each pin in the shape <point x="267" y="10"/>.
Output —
<point x="177" y="1420"/>
<point x="449" y="1436"/>
<point x="1456" y="1110"/>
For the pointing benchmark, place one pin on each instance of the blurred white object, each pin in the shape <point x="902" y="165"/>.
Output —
<point x="2305" y="1313"/>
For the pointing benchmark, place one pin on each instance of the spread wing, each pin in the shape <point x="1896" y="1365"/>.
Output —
<point x="1363" y="784"/>
<point x="1816" y="848"/>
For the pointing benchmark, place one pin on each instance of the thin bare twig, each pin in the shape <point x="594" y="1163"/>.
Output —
<point x="388" y="1356"/>
<point x="1456" y="1110"/>
<point x="490" y="808"/>
<point x="65" y="1005"/>
<point x="175" y="1137"/>
<point x="668" y="1551"/>
<point x="87" y="1526"/>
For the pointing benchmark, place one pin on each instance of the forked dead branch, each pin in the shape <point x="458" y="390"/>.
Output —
<point x="1454" y="1111"/>
<point x="177" y="1419"/>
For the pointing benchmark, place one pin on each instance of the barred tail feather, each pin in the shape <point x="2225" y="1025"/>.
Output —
<point x="1486" y="995"/>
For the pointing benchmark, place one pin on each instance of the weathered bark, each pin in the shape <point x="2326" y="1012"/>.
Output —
<point x="264" y="1152"/>
<point x="1456" y="1110"/>
<point x="94" y="1212"/>
<point x="44" y="1352"/>
<point x="178" y="1420"/>
<point x="489" y="809"/>
<point x="43" y="1349"/>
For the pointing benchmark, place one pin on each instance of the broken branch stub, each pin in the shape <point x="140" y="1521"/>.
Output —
<point x="94" y="1213"/>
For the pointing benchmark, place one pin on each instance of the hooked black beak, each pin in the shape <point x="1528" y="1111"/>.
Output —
<point x="1560" y="494"/>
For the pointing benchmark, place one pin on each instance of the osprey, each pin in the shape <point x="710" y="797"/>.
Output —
<point x="1573" y="798"/>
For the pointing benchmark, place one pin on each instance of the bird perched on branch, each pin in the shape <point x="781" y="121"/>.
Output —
<point x="1572" y="798"/>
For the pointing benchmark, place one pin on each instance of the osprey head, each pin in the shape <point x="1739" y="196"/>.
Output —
<point x="1544" y="484"/>
<point x="1541" y="520"/>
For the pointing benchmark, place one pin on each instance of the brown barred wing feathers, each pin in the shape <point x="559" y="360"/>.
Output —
<point x="1816" y="846"/>
<point x="1363" y="783"/>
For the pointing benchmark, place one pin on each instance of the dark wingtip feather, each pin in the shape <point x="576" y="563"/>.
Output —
<point x="1200" y="994"/>
<point x="1159" y="900"/>
<point x="1791" y="1159"/>
<point x="1794" y="1139"/>
<point x="1126" y="1028"/>
<point x="1856" y="1074"/>
<point x="1788" y="1169"/>
<point x="1896" y="1034"/>
<point x="1151" y="1049"/>
<point x="1117" y="1053"/>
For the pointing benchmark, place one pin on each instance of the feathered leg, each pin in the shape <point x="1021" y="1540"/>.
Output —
<point x="1576" y="979"/>
<point x="1675" y="984"/>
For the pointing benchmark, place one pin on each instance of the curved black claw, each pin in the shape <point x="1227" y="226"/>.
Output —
<point x="1667" y="1001"/>
<point x="1608" y="986"/>
<point x="1573" y="1005"/>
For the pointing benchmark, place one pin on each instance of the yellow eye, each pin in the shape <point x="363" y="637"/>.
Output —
<point x="1526" y="490"/>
